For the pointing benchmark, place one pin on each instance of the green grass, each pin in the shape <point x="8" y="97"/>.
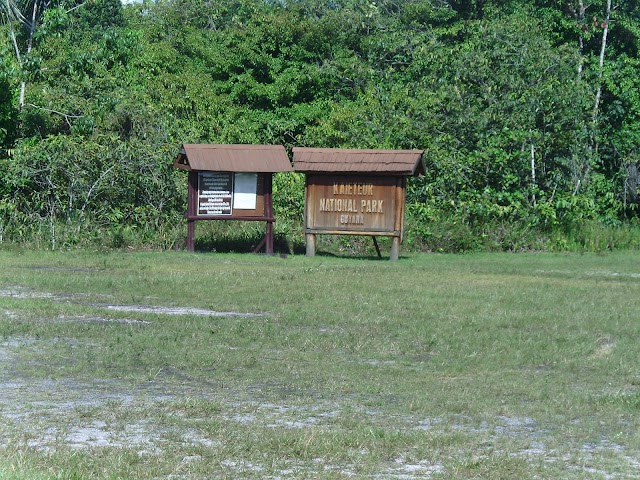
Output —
<point x="435" y="366"/>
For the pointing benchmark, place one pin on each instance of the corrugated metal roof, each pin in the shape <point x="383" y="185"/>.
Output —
<point x="394" y="162"/>
<point x="233" y="158"/>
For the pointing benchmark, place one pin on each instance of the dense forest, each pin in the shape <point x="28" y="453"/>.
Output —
<point x="528" y="112"/>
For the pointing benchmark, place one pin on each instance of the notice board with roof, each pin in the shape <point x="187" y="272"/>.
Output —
<point x="356" y="192"/>
<point x="231" y="182"/>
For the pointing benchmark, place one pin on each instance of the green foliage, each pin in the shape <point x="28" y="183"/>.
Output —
<point x="288" y="207"/>
<point x="96" y="15"/>
<point x="88" y="186"/>
<point x="490" y="90"/>
<point x="288" y="192"/>
<point x="8" y="111"/>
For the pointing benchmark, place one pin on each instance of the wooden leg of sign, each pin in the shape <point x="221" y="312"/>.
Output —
<point x="192" y="208"/>
<point x="268" y="210"/>
<point x="395" y="249"/>
<point x="269" y="244"/>
<point x="311" y="244"/>
<point x="375" y="244"/>
<point x="191" y="233"/>
<point x="260" y="245"/>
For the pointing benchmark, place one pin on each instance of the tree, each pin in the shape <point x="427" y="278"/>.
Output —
<point x="7" y="109"/>
<point x="22" y="17"/>
<point x="528" y="110"/>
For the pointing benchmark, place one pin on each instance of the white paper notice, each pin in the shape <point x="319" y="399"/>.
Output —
<point x="245" y="191"/>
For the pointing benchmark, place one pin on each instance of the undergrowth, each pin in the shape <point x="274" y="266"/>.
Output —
<point x="440" y="235"/>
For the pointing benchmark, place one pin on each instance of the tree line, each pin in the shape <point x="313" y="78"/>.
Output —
<point x="528" y="111"/>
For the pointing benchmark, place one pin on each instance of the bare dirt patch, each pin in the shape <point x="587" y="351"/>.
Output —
<point x="19" y="292"/>
<point x="175" y="311"/>
<point x="49" y="414"/>
<point x="52" y="413"/>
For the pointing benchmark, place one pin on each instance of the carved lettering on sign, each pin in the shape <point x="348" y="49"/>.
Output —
<point x="352" y="189"/>
<point x="352" y="219"/>
<point x="350" y="205"/>
<point x="338" y="205"/>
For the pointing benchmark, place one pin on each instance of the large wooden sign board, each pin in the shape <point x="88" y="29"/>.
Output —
<point x="356" y="192"/>
<point x="353" y="204"/>
<point x="231" y="182"/>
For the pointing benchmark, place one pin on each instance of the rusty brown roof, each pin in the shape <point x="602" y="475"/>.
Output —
<point x="390" y="162"/>
<point x="233" y="158"/>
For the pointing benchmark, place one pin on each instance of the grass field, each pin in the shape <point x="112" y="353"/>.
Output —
<point x="202" y="366"/>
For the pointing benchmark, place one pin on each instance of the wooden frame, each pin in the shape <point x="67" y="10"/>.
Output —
<point x="354" y="205"/>
<point x="262" y="213"/>
<point x="220" y="185"/>
<point x="356" y="192"/>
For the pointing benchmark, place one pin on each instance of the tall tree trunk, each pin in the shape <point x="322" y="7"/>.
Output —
<point x="32" y="29"/>
<point x="13" y="14"/>
<point x="579" y="16"/>
<point x="583" y="167"/>
<point x="533" y="173"/>
<point x="603" y="47"/>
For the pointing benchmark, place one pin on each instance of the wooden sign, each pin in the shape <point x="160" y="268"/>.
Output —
<point x="351" y="204"/>
<point x="356" y="192"/>
<point x="231" y="182"/>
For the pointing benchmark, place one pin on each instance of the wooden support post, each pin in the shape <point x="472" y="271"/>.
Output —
<point x="268" y="249"/>
<point x="191" y="233"/>
<point x="395" y="249"/>
<point x="311" y="244"/>
<point x="192" y="205"/>
<point x="268" y="211"/>
<point x="375" y="243"/>
<point x="400" y="190"/>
